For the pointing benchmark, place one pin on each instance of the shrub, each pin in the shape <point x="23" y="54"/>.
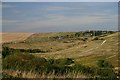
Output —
<point x="96" y="38"/>
<point x="103" y="64"/>
<point x="105" y="69"/>
<point x="65" y="61"/>
<point x="17" y="61"/>
<point x="77" y="34"/>
<point x="6" y="51"/>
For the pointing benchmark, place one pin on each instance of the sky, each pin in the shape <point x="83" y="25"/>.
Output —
<point x="60" y="0"/>
<point x="59" y="16"/>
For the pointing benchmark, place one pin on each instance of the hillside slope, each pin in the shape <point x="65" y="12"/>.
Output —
<point x="10" y="37"/>
<point x="85" y="52"/>
<point x="94" y="50"/>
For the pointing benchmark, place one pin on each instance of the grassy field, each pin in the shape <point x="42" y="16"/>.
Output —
<point x="94" y="51"/>
<point x="10" y="37"/>
<point x="84" y="50"/>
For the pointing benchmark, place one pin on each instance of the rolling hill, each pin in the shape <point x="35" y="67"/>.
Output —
<point x="85" y="52"/>
<point x="10" y="37"/>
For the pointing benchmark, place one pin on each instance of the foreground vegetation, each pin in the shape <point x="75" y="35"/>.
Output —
<point x="25" y="65"/>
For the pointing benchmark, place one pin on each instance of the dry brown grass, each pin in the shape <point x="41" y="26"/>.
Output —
<point x="31" y="74"/>
<point x="9" y="37"/>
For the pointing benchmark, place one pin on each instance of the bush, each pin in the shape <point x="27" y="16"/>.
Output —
<point x="6" y="51"/>
<point x="105" y="69"/>
<point x="96" y="38"/>
<point x="65" y="61"/>
<point x="77" y="34"/>
<point x="104" y="64"/>
<point x="83" y="69"/>
<point x="17" y="61"/>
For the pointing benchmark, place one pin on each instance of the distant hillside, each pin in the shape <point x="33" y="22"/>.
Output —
<point x="10" y="37"/>
<point x="89" y="52"/>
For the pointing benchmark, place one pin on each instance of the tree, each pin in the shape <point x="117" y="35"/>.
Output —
<point x="77" y="34"/>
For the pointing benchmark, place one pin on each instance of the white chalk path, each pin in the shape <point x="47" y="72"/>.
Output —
<point x="106" y="58"/>
<point x="92" y="49"/>
<point x="103" y="42"/>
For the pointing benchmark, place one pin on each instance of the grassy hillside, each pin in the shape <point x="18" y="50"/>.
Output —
<point x="94" y="50"/>
<point x="85" y="50"/>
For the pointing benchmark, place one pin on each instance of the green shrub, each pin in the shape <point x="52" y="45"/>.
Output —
<point x="6" y="51"/>
<point x="105" y="69"/>
<point x="103" y="64"/>
<point x="17" y="60"/>
<point x="96" y="38"/>
<point x="64" y="61"/>
<point x="81" y="69"/>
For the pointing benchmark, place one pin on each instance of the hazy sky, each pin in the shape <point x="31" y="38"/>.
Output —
<point x="59" y="16"/>
<point x="60" y="0"/>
